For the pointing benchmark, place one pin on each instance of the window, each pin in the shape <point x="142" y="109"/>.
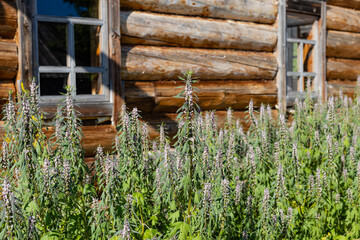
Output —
<point x="70" y="46"/>
<point x="304" y="26"/>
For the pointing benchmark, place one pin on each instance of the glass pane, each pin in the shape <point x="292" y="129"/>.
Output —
<point x="53" y="83"/>
<point x="293" y="57"/>
<point x="291" y="84"/>
<point x="88" y="83"/>
<point x="74" y="8"/>
<point x="87" y="51"/>
<point x="52" y="44"/>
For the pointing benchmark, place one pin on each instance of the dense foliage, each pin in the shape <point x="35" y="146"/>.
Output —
<point x="279" y="180"/>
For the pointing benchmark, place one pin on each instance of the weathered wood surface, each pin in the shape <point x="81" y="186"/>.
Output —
<point x="343" y="45"/>
<point x="5" y="87"/>
<point x="343" y="69"/>
<point x="346" y="87"/>
<point x="85" y="109"/>
<point x="167" y="63"/>
<point x="263" y="11"/>
<point x="8" y="59"/>
<point x="343" y="19"/>
<point x="8" y="19"/>
<point x="170" y="121"/>
<point x="151" y="97"/>
<point x="104" y="135"/>
<point x="94" y="136"/>
<point x="115" y="56"/>
<point x="161" y="29"/>
<point x="345" y="3"/>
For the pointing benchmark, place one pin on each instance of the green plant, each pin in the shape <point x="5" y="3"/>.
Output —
<point x="278" y="180"/>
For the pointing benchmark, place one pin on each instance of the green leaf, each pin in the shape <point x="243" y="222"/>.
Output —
<point x="150" y="233"/>
<point x="139" y="198"/>
<point x="32" y="207"/>
<point x="185" y="230"/>
<point x="50" y="236"/>
<point x="174" y="216"/>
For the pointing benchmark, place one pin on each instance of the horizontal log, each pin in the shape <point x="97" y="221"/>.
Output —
<point x="85" y="109"/>
<point x="345" y="3"/>
<point x="234" y="100"/>
<point x="343" y="19"/>
<point x="343" y="45"/>
<point x="346" y="87"/>
<point x="8" y="59"/>
<point x="205" y="88"/>
<point x="167" y="63"/>
<point x="6" y="86"/>
<point x="151" y="97"/>
<point x="343" y="69"/>
<point x="7" y="28"/>
<point x="169" y="120"/>
<point x="104" y="135"/>
<point x="142" y="41"/>
<point x="94" y="136"/>
<point x="263" y="11"/>
<point x="197" y="32"/>
<point x="8" y="16"/>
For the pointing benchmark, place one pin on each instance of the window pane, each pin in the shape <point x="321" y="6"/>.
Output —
<point x="293" y="57"/>
<point x="88" y="83"/>
<point x="74" y="8"/>
<point x="53" y="83"/>
<point x="87" y="51"/>
<point x="52" y="44"/>
<point x="291" y="83"/>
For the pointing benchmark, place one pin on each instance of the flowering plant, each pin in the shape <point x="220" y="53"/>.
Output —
<point x="279" y="180"/>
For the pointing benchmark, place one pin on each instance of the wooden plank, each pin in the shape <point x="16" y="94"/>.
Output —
<point x="25" y="43"/>
<point x="167" y="63"/>
<point x="346" y="87"/>
<point x="343" y="45"/>
<point x="159" y="96"/>
<point x="8" y="19"/>
<point x="343" y="69"/>
<point x="263" y="11"/>
<point x="346" y="3"/>
<point x="8" y="59"/>
<point x="197" y="32"/>
<point x="322" y="52"/>
<point x="343" y="19"/>
<point x="115" y="59"/>
<point x="280" y="54"/>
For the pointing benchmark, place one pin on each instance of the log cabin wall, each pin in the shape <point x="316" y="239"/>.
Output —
<point x="8" y="48"/>
<point x="229" y="45"/>
<point x="343" y="46"/>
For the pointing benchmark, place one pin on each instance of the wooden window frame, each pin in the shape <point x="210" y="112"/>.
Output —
<point x="286" y="98"/>
<point x="90" y="106"/>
